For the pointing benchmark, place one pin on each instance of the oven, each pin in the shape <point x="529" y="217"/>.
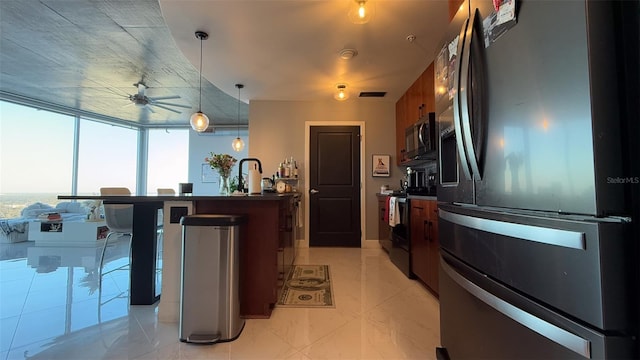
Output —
<point x="400" y="252"/>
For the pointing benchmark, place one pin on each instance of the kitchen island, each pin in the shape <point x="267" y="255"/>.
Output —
<point x="266" y="254"/>
<point x="267" y="246"/>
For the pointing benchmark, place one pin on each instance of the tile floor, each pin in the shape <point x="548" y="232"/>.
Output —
<point x="52" y="308"/>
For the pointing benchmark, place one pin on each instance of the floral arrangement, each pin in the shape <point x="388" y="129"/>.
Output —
<point x="223" y="163"/>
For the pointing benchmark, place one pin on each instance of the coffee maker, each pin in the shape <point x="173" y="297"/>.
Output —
<point x="420" y="182"/>
<point x="416" y="178"/>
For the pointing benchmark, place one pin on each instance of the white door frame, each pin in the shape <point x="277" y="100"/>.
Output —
<point x="305" y="190"/>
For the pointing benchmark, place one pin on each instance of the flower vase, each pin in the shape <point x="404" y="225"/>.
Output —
<point x="224" y="186"/>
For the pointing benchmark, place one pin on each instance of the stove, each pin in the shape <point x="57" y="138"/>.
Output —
<point x="422" y="191"/>
<point x="400" y="251"/>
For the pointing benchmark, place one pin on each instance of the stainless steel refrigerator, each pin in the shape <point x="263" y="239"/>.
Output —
<point x="537" y="114"/>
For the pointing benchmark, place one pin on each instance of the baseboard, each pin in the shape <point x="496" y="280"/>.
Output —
<point x="371" y="244"/>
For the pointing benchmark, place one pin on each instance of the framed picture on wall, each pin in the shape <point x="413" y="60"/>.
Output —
<point x="381" y="165"/>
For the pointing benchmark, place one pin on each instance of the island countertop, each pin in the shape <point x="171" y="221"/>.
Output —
<point x="154" y="198"/>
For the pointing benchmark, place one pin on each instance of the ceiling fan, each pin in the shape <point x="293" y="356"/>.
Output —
<point x="143" y="101"/>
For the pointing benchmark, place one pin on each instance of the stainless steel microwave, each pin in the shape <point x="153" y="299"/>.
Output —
<point x="420" y="139"/>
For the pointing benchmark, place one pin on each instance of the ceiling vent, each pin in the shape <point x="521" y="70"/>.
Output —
<point x="347" y="54"/>
<point x="372" y="93"/>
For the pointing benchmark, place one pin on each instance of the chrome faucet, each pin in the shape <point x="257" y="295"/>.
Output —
<point x="240" y="182"/>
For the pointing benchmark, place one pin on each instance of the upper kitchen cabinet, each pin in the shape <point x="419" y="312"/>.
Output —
<point x="428" y="90"/>
<point x="401" y="110"/>
<point x="454" y="6"/>
<point x="417" y="101"/>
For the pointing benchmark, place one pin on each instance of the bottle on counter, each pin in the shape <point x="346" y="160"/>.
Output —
<point x="287" y="169"/>
<point x="281" y="170"/>
<point x="291" y="167"/>
<point x="295" y="169"/>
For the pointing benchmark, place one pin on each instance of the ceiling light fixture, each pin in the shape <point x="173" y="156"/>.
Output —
<point x="199" y="121"/>
<point x="342" y="93"/>
<point x="361" y="12"/>
<point x="237" y="143"/>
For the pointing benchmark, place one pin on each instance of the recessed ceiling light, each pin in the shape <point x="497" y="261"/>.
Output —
<point x="347" y="54"/>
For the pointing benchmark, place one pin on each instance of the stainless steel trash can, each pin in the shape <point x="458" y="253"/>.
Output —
<point x="209" y="298"/>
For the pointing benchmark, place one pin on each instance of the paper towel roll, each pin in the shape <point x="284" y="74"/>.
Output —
<point x="254" y="182"/>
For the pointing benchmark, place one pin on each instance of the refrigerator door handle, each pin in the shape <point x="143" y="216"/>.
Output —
<point x="554" y="333"/>
<point x="557" y="237"/>
<point x="465" y="90"/>
<point x="462" y="154"/>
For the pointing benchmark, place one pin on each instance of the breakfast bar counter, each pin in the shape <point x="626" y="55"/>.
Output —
<point x="266" y="246"/>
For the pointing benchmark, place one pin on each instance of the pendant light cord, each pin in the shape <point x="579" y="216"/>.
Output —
<point x="199" y="120"/>
<point x="200" y="101"/>
<point x="238" y="119"/>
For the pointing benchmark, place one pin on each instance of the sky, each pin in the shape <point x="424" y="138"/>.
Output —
<point x="36" y="154"/>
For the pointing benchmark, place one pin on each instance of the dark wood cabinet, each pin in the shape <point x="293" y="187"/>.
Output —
<point x="428" y="93"/>
<point x="433" y="254"/>
<point x="419" y="99"/>
<point x="383" y="225"/>
<point x="454" y="6"/>
<point x="401" y="126"/>
<point x="286" y="245"/>
<point x="424" y="241"/>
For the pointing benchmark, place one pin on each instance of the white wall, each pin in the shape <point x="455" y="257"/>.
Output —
<point x="200" y="145"/>
<point x="277" y="130"/>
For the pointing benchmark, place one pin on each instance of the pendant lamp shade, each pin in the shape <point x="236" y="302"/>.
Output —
<point x="237" y="143"/>
<point x="361" y="11"/>
<point x="199" y="121"/>
<point x="341" y="93"/>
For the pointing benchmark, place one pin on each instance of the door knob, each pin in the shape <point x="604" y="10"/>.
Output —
<point x="313" y="191"/>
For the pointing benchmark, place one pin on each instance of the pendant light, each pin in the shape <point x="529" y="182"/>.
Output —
<point x="361" y="11"/>
<point x="199" y="121"/>
<point x="237" y="143"/>
<point x="341" y="93"/>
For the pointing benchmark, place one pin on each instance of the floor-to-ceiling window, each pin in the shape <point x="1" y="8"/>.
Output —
<point x="168" y="159"/>
<point x="36" y="157"/>
<point x="106" y="157"/>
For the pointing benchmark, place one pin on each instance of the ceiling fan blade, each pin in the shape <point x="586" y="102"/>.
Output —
<point x="171" y="104"/>
<point x="165" y="97"/>
<point x="111" y="91"/>
<point x="166" y="108"/>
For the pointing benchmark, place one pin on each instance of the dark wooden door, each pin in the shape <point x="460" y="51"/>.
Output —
<point x="334" y="186"/>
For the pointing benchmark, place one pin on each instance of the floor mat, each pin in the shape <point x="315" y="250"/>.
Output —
<point x="307" y="286"/>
